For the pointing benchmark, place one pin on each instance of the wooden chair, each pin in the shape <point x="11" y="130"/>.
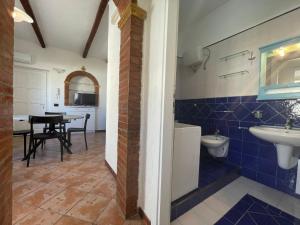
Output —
<point x="71" y="130"/>
<point x="58" y="114"/>
<point x="37" y="139"/>
<point x="23" y="133"/>
<point x="46" y="128"/>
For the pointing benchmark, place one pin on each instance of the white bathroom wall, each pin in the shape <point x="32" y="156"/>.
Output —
<point x="50" y="58"/>
<point x="112" y="111"/>
<point x="158" y="84"/>
<point x="231" y="18"/>
<point x="204" y="84"/>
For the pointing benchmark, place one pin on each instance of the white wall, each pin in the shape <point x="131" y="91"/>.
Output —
<point x="231" y="18"/>
<point x="158" y="84"/>
<point x="112" y="110"/>
<point x="50" y="58"/>
<point x="203" y="84"/>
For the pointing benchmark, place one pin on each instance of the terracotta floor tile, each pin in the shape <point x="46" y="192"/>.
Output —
<point x="49" y="176"/>
<point x="69" y="179"/>
<point x="22" y="188"/>
<point x="40" y="217"/>
<point x="64" y="201"/>
<point x="20" y="210"/>
<point x="85" y="184"/>
<point x="111" y="215"/>
<point x="134" y="221"/>
<point x="81" y="186"/>
<point x="105" y="188"/>
<point x="68" y="220"/>
<point x="89" y="208"/>
<point x="41" y="195"/>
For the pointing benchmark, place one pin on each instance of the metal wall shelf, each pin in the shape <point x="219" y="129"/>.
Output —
<point x="243" y="72"/>
<point x="242" y="53"/>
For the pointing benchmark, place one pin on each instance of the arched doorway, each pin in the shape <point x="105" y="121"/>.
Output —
<point x="76" y="75"/>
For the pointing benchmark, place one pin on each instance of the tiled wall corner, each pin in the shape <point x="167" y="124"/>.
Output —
<point x="233" y="116"/>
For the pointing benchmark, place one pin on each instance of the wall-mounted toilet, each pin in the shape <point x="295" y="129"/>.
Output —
<point x="217" y="145"/>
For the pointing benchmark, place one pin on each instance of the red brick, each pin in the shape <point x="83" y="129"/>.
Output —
<point x="129" y="114"/>
<point x="6" y="110"/>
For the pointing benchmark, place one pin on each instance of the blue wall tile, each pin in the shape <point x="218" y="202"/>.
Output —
<point x="266" y="180"/>
<point x="267" y="166"/>
<point x="249" y="173"/>
<point x="256" y="158"/>
<point x="250" y="162"/>
<point x="250" y="148"/>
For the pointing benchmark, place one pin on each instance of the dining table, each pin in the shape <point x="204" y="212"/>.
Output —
<point x="66" y="118"/>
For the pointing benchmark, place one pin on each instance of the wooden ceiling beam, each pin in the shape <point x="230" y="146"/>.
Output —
<point x="27" y="7"/>
<point x="95" y="27"/>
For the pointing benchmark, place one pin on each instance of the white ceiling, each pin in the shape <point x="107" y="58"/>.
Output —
<point x="193" y="10"/>
<point x="66" y="24"/>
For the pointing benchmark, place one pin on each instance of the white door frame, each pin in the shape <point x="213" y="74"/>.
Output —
<point x="168" y="110"/>
<point x="29" y="67"/>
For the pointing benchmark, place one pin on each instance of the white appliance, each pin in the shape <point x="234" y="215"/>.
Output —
<point x="22" y="58"/>
<point x="193" y="58"/>
<point x="186" y="159"/>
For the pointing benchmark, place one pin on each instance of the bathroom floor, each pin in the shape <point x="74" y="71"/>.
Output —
<point x="212" y="169"/>
<point x="214" y="174"/>
<point x="214" y="208"/>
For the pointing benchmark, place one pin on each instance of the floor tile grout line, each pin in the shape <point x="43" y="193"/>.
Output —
<point x="246" y="211"/>
<point x="253" y="219"/>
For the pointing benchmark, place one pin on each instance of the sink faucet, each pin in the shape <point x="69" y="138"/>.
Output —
<point x="289" y="124"/>
<point x="217" y="132"/>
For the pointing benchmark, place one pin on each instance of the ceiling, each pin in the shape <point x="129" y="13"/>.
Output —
<point x="66" y="24"/>
<point x="194" y="10"/>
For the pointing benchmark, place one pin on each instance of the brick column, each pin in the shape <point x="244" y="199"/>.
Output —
<point x="131" y="25"/>
<point x="6" y="92"/>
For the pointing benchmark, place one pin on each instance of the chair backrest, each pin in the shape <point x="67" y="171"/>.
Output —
<point x="44" y="120"/>
<point x="55" y="113"/>
<point x="87" y="117"/>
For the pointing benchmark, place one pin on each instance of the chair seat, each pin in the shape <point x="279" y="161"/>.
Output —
<point x="21" y="132"/>
<point x="74" y="129"/>
<point x="44" y="136"/>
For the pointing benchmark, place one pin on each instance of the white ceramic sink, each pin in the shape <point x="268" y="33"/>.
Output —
<point x="277" y="135"/>
<point x="287" y="142"/>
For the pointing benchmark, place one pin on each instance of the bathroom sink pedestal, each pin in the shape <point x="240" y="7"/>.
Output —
<point x="285" y="156"/>
<point x="286" y="141"/>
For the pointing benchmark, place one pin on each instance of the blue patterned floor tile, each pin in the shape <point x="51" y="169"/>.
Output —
<point x="246" y="220"/>
<point x="223" y="221"/>
<point x="234" y="215"/>
<point x="282" y="221"/>
<point x="252" y="211"/>
<point x="257" y="208"/>
<point x="263" y="219"/>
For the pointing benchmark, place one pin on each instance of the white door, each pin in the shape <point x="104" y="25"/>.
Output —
<point x="30" y="93"/>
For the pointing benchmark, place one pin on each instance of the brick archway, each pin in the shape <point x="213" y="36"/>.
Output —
<point x="131" y="24"/>
<point x="80" y="74"/>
